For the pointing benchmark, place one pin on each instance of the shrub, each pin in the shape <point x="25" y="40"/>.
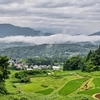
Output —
<point x="2" y="88"/>
<point x="25" y="80"/>
<point x="24" y="98"/>
<point x="20" y="75"/>
<point x="44" y="85"/>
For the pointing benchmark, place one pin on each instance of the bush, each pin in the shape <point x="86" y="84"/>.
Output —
<point x="13" y="97"/>
<point x="85" y="98"/>
<point x="24" y="98"/>
<point x="20" y="75"/>
<point x="44" y="85"/>
<point x="2" y="88"/>
<point x="26" y="73"/>
<point x="25" y="80"/>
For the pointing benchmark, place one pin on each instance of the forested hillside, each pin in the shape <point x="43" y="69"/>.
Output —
<point x="89" y="63"/>
<point x="49" y="50"/>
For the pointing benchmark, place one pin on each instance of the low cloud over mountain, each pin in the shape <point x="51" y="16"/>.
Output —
<point x="57" y="38"/>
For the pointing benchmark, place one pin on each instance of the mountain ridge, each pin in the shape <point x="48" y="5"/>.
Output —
<point x="96" y="33"/>
<point x="12" y="30"/>
<point x="7" y="29"/>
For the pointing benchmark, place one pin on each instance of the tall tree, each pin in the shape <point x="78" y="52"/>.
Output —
<point x="89" y="55"/>
<point x="72" y="63"/>
<point x="3" y="73"/>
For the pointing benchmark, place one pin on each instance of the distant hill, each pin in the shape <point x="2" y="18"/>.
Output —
<point x="96" y="33"/>
<point x="4" y="45"/>
<point x="11" y="30"/>
<point x="49" y="50"/>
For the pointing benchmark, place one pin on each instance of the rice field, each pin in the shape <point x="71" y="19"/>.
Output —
<point x="64" y="85"/>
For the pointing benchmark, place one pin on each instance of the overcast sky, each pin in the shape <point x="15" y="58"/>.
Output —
<point x="61" y="16"/>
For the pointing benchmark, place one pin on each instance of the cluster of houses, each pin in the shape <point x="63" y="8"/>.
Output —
<point x="22" y="66"/>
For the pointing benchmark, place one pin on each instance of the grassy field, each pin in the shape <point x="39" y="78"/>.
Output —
<point x="41" y="83"/>
<point x="96" y="82"/>
<point x="28" y="96"/>
<point x="45" y="92"/>
<point x="90" y="91"/>
<point x="9" y="83"/>
<point x="95" y="89"/>
<point x="61" y="85"/>
<point x="72" y="86"/>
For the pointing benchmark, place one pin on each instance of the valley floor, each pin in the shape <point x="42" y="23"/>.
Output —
<point x="60" y="85"/>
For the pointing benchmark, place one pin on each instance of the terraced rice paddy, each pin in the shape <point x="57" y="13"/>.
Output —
<point x="67" y="83"/>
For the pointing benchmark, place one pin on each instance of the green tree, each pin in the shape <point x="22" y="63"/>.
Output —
<point x="72" y="63"/>
<point x="90" y="66"/>
<point x="96" y="60"/>
<point x="89" y="55"/>
<point x="3" y="73"/>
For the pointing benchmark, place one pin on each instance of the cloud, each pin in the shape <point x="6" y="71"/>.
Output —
<point x="68" y="3"/>
<point x="10" y="1"/>
<point x="52" y="15"/>
<point x="58" y="38"/>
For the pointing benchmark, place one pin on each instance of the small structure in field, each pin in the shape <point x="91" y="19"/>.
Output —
<point x="56" y="67"/>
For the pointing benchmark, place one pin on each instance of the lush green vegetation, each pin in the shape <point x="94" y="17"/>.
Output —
<point x="96" y="81"/>
<point x="40" y="61"/>
<point x="45" y="92"/>
<point x="94" y="90"/>
<point x="48" y="50"/>
<point x="29" y="96"/>
<point x="72" y="86"/>
<point x="3" y="73"/>
<point x="90" y="92"/>
<point x="55" y="80"/>
<point x="89" y="63"/>
<point x="79" y="82"/>
<point x="72" y="63"/>
<point x="25" y="75"/>
<point x="49" y="87"/>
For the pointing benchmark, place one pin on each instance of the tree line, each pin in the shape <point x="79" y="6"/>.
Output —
<point x="89" y="63"/>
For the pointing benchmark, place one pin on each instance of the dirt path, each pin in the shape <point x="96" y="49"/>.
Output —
<point x="19" y="89"/>
<point x="86" y="85"/>
<point x="79" y="76"/>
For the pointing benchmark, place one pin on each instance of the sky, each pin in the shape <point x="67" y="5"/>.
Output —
<point x="56" y="16"/>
